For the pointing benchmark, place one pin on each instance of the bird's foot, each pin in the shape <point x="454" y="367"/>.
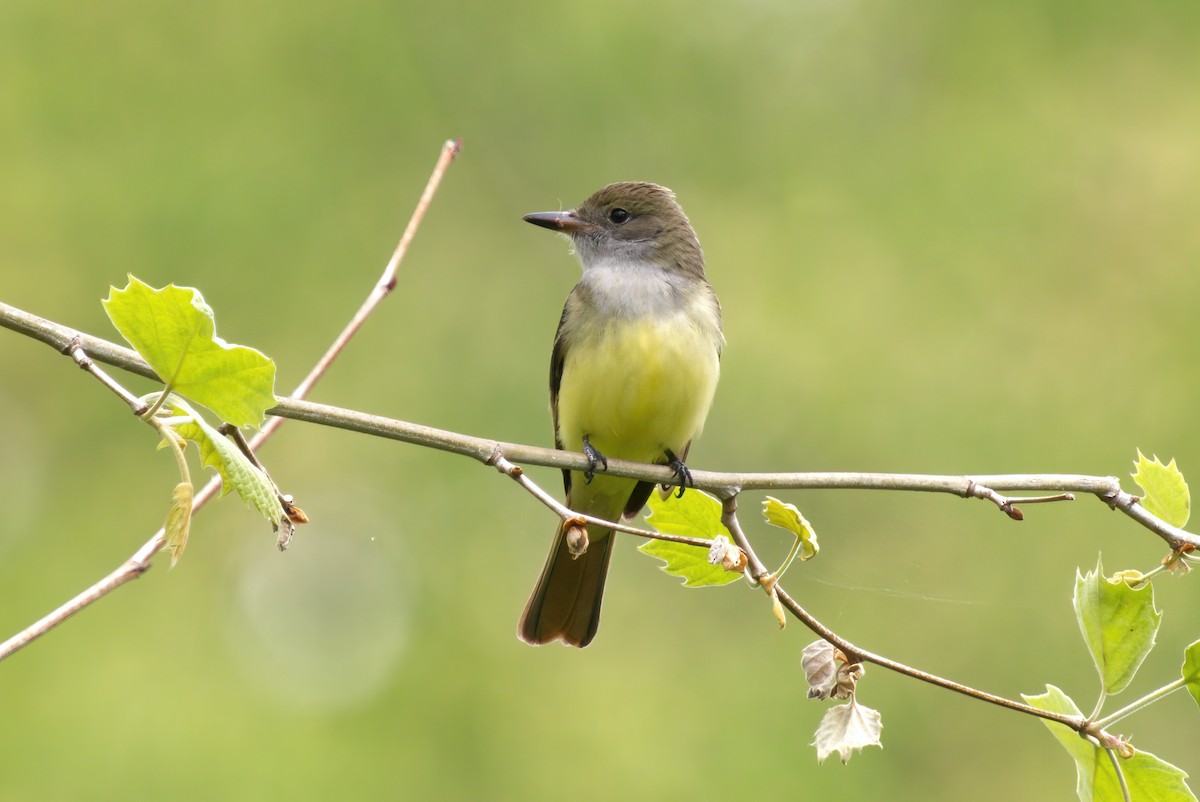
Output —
<point x="595" y="460"/>
<point x="681" y="470"/>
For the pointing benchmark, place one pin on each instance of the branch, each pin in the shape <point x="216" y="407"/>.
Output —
<point x="1106" y="488"/>
<point x="81" y="346"/>
<point x="515" y="472"/>
<point x="759" y="573"/>
<point x="984" y="486"/>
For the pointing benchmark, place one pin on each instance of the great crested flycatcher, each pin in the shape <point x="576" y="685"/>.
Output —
<point x="632" y="376"/>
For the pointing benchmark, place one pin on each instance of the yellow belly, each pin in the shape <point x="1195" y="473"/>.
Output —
<point x="637" y="387"/>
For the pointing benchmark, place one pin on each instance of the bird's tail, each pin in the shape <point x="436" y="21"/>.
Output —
<point x="565" y="604"/>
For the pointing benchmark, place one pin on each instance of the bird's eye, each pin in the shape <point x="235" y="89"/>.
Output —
<point x="618" y="215"/>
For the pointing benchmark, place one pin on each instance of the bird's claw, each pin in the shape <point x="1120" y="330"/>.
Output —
<point x="595" y="459"/>
<point x="681" y="470"/>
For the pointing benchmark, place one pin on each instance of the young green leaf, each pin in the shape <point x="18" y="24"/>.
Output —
<point x="1164" y="490"/>
<point x="697" y="514"/>
<point x="173" y="329"/>
<point x="179" y="521"/>
<point x="1149" y="778"/>
<point x="1191" y="670"/>
<point x="237" y="472"/>
<point x="1118" y="624"/>
<point x="788" y="516"/>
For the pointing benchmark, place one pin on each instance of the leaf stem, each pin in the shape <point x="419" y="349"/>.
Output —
<point x="1146" y="577"/>
<point x="1116" y="764"/>
<point x="176" y="444"/>
<point x="153" y="409"/>
<point x="1145" y="701"/>
<point x="787" y="561"/>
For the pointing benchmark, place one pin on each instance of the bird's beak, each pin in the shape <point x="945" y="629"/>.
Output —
<point x="566" y="222"/>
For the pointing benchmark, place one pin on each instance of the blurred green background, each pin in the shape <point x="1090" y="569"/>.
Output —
<point x="948" y="237"/>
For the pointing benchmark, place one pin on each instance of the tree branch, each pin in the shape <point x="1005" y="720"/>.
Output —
<point x="80" y="347"/>
<point x="1105" y="487"/>
<point x="985" y="486"/>
<point x="516" y="473"/>
<point x="759" y="573"/>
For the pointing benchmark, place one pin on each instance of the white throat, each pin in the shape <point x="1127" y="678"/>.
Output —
<point x="634" y="288"/>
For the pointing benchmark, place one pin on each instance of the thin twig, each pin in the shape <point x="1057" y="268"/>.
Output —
<point x="387" y="281"/>
<point x="1105" y="488"/>
<point x="61" y="337"/>
<point x="855" y="654"/>
<point x="564" y="512"/>
<point x="1008" y="505"/>
<point x="76" y="352"/>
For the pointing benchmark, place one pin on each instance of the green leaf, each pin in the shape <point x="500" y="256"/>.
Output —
<point x="697" y="514"/>
<point x="1164" y="490"/>
<point x="237" y="472"/>
<point x="179" y="520"/>
<point x="173" y="329"/>
<point x="1191" y="670"/>
<point x="787" y="516"/>
<point x="1118" y="623"/>
<point x="1150" y="779"/>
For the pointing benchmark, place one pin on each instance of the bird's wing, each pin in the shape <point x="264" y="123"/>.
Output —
<point x="557" y="357"/>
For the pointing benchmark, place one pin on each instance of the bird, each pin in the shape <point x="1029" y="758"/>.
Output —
<point x="633" y="372"/>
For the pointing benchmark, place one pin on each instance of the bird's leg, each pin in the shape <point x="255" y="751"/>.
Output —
<point x="681" y="470"/>
<point x="595" y="459"/>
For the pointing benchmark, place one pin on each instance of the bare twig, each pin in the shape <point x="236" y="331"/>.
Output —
<point x="387" y="281"/>
<point x="515" y="472"/>
<point x="73" y="350"/>
<point x="70" y="342"/>
<point x="760" y="574"/>
<point x="1105" y="488"/>
<point x="1008" y="505"/>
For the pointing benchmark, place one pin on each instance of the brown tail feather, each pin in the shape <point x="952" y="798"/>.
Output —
<point x="565" y="605"/>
